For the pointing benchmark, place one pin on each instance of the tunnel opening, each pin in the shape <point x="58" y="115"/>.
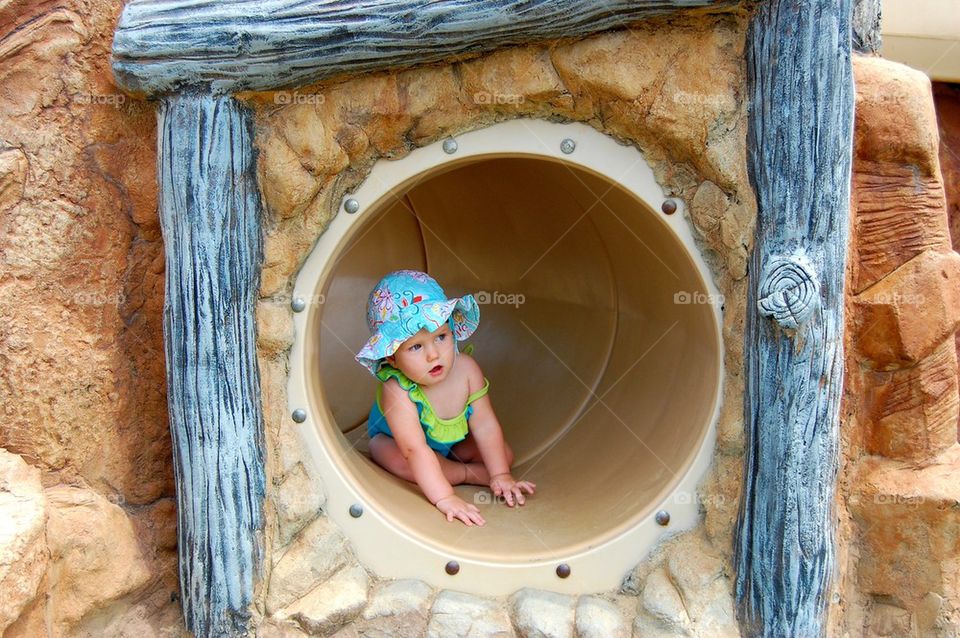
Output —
<point x="599" y="333"/>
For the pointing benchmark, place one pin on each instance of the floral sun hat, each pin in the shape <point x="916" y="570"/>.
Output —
<point x="406" y="301"/>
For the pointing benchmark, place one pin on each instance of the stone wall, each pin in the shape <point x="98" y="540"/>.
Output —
<point x="86" y="477"/>
<point x="946" y="98"/>
<point x="901" y="479"/>
<point x="673" y="89"/>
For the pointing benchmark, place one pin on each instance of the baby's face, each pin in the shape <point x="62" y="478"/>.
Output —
<point x="426" y="357"/>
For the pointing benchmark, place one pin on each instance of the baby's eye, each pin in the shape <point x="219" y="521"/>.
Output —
<point x="441" y="337"/>
<point x="414" y="347"/>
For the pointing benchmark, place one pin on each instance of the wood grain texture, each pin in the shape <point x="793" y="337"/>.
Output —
<point x="210" y="215"/>
<point x="866" y="26"/>
<point x="162" y="46"/>
<point x="800" y="146"/>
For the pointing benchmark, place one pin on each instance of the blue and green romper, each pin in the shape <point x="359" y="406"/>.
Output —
<point x="441" y="434"/>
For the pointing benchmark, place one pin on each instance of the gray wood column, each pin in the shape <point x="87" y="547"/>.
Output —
<point x="210" y="214"/>
<point x="866" y="26"/>
<point x="799" y="153"/>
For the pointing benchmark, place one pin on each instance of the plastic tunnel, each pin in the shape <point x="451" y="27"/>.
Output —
<point x="602" y="351"/>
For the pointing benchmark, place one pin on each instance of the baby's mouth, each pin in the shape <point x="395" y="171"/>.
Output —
<point x="435" y="370"/>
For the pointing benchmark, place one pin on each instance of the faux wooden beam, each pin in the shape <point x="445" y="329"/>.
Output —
<point x="866" y="26"/>
<point x="800" y="145"/>
<point x="164" y="46"/>
<point x="210" y="214"/>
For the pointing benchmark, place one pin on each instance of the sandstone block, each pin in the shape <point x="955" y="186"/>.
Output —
<point x="598" y="618"/>
<point x="154" y="614"/>
<point x="354" y="142"/>
<point x="720" y="495"/>
<point x="933" y="616"/>
<point x="617" y="65"/>
<point x="512" y="80"/>
<point x="407" y="625"/>
<point x="895" y="118"/>
<point x="904" y="317"/>
<point x="690" y="593"/>
<point x="889" y="620"/>
<point x="399" y="597"/>
<point x="708" y="207"/>
<point x="273" y="628"/>
<point x="464" y="616"/>
<point x="156" y="525"/>
<point x="946" y="98"/>
<point x="96" y="552"/>
<point x="333" y="603"/>
<point x="287" y="186"/>
<point x="313" y="557"/>
<point x="912" y="414"/>
<point x="661" y="599"/>
<point x="32" y="621"/>
<point x="313" y="142"/>
<point x="704" y="585"/>
<point x="646" y="627"/>
<point x="374" y="103"/>
<point x="897" y="214"/>
<point x="274" y="326"/>
<point x="13" y="176"/>
<point x="23" y="548"/>
<point x="542" y="614"/>
<point x="298" y="500"/>
<point x="282" y="252"/>
<point x="909" y="524"/>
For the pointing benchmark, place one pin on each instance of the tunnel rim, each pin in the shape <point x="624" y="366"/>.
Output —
<point x="599" y="568"/>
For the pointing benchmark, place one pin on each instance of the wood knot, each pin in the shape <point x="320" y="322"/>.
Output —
<point x="789" y="290"/>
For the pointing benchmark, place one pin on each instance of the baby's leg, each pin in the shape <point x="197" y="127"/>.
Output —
<point x="468" y="452"/>
<point x="387" y="455"/>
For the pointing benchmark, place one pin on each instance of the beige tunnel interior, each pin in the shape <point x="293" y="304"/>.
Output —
<point x="602" y="372"/>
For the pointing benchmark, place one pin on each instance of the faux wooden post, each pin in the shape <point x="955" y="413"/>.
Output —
<point x="866" y="26"/>
<point x="801" y="121"/>
<point x="210" y="212"/>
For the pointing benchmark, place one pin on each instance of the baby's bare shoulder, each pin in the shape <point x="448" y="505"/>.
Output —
<point x="394" y="396"/>
<point x="471" y="371"/>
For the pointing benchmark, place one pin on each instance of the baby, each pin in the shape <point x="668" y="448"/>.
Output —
<point x="432" y="422"/>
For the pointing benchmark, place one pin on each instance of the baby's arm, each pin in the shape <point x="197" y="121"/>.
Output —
<point x="404" y="421"/>
<point x="486" y="430"/>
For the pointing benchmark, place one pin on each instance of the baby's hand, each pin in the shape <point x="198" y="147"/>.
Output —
<point x="455" y="507"/>
<point x="504" y="485"/>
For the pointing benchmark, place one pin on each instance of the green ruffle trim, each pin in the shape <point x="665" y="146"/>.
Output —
<point x="440" y="430"/>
